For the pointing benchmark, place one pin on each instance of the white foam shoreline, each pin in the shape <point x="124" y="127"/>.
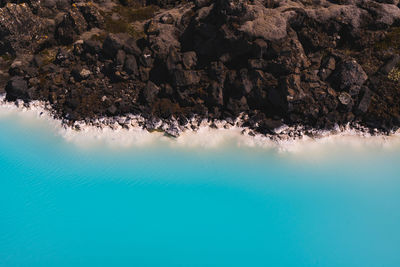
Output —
<point x="132" y="130"/>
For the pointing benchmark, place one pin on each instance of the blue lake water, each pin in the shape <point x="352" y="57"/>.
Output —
<point x="159" y="205"/>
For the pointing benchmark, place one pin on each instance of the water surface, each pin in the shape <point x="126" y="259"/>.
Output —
<point x="64" y="204"/>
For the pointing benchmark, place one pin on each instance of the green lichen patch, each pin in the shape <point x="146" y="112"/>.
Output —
<point x="48" y="56"/>
<point x="392" y="40"/>
<point x="120" y="19"/>
<point x="136" y="14"/>
<point x="394" y="74"/>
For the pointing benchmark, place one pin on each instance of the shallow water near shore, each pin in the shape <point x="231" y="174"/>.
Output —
<point x="70" y="199"/>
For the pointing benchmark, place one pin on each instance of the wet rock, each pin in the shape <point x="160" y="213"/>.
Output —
<point x="268" y="125"/>
<point x="173" y="131"/>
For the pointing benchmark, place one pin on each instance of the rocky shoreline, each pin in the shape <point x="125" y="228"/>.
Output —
<point x="279" y="69"/>
<point x="172" y="129"/>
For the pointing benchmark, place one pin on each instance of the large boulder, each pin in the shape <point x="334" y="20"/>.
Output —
<point x="131" y="47"/>
<point x="349" y="75"/>
<point x="349" y="15"/>
<point x="72" y="25"/>
<point x="17" y="88"/>
<point x="112" y="44"/>
<point x="385" y="14"/>
<point x="91" y="15"/>
<point x="268" y="24"/>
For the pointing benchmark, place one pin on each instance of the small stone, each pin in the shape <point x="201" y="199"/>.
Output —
<point x="85" y="73"/>
<point x="345" y="98"/>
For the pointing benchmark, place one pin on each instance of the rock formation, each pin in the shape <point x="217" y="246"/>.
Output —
<point x="315" y="63"/>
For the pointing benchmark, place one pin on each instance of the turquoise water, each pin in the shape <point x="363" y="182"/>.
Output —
<point x="162" y="205"/>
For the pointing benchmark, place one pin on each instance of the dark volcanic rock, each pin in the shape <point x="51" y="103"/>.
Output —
<point x="16" y="88"/>
<point x="91" y="15"/>
<point x="131" y="66"/>
<point x="131" y="47"/>
<point x="150" y="92"/>
<point x="365" y="101"/>
<point x="186" y="77"/>
<point x="189" y="59"/>
<point x="20" y="29"/>
<point x="276" y="63"/>
<point x="390" y="64"/>
<point x="349" y="74"/>
<point x="112" y="44"/>
<point x="70" y="27"/>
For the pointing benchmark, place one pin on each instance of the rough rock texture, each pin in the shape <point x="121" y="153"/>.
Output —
<point x="314" y="63"/>
<point x="21" y="30"/>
